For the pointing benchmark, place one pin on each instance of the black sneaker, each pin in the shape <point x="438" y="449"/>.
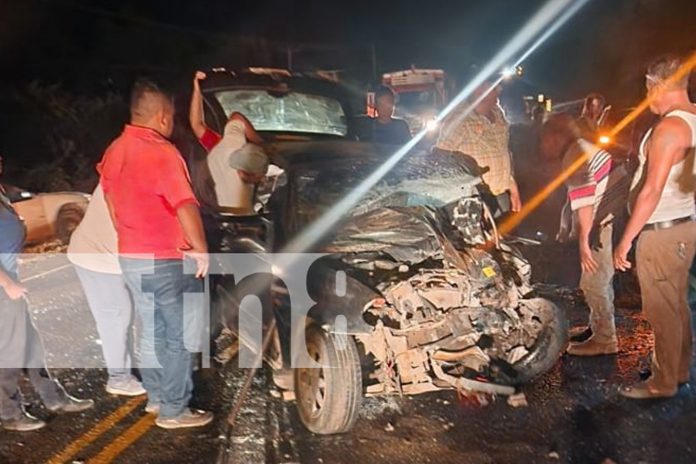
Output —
<point x="71" y="404"/>
<point x="23" y="423"/>
<point x="644" y="374"/>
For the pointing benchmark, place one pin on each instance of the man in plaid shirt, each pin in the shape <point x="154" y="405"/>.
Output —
<point x="483" y="134"/>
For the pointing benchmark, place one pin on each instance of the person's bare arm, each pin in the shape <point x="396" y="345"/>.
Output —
<point x="515" y="199"/>
<point x="669" y="143"/>
<point x="14" y="289"/>
<point x="196" y="114"/>
<point x="249" y="132"/>
<point x="585" y="220"/>
<point x="190" y="219"/>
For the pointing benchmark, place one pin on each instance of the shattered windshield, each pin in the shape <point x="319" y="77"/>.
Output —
<point x="286" y="112"/>
<point x="419" y="179"/>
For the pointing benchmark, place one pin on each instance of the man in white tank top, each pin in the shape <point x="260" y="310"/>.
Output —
<point x="663" y="214"/>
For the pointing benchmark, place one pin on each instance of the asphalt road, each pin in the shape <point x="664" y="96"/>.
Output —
<point x="573" y="415"/>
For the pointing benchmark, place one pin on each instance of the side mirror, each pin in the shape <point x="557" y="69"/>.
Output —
<point x="16" y="195"/>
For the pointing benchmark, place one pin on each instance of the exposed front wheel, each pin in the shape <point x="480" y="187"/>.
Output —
<point x="550" y="343"/>
<point x="329" y="396"/>
<point x="69" y="217"/>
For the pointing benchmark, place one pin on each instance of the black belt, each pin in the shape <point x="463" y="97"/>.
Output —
<point x="669" y="224"/>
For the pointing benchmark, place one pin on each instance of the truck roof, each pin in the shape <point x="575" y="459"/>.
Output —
<point x="413" y="77"/>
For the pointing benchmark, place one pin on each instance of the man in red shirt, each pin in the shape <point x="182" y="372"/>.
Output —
<point x="147" y="188"/>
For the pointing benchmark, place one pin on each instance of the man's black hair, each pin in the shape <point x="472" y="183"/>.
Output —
<point x="143" y="87"/>
<point x="664" y="68"/>
<point x="595" y="96"/>
<point x="383" y="91"/>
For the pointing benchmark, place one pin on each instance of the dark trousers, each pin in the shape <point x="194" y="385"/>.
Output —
<point x="21" y="349"/>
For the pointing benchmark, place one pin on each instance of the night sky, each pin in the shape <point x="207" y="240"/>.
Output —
<point x="80" y="41"/>
<point x="66" y="65"/>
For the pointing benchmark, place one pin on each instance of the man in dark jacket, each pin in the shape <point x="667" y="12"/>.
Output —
<point x="385" y="128"/>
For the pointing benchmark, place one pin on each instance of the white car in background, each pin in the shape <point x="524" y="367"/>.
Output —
<point x="48" y="216"/>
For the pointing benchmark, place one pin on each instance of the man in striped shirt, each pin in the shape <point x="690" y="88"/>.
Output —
<point x="597" y="194"/>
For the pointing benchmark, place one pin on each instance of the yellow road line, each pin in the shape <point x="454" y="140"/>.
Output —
<point x="123" y="441"/>
<point x="95" y="432"/>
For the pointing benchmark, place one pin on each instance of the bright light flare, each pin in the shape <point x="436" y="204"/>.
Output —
<point x="548" y="19"/>
<point x="548" y="14"/>
<point x="604" y="140"/>
<point x="551" y="16"/>
<point x="508" y="73"/>
<point x="540" y="197"/>
<point x="573" y="8"/>
<point x="277" y="270"/>
<point x="431" y="126"/>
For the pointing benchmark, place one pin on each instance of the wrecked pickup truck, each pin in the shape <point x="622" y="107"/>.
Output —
<point x="433" y="297"/>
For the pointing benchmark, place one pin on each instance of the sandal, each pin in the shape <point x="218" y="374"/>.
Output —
<point x="643" y="391"/>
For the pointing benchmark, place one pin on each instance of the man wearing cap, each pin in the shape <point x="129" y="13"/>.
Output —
<point x="247" y="167"/>
<point x="236" y="167"/>
<point x="242" y="130"/>
<point x="234" y="174"/>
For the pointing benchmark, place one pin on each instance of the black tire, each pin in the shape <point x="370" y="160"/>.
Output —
<point x="550" y="344"/>
<point x="328" y="398"/>
<point x="69" y="217"/>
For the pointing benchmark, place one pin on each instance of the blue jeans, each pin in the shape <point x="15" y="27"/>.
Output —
<point x="158" y="288"/>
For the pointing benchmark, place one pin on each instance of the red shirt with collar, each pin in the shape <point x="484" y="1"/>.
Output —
<point x="146" y="180"/>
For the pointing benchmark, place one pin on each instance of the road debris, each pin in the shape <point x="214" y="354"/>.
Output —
<point x="518" y="400"/>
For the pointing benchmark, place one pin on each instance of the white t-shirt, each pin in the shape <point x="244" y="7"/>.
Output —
<point x="94" y="244"/>
<point x="677" y="197"/>
<point x="231" y="192"/>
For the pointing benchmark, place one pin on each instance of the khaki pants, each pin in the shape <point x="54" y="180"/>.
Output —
<point x="598" y="289"/>
<point x="663" y="261"/>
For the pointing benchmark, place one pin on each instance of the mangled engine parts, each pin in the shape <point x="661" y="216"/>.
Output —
<point x="436" y="330"/>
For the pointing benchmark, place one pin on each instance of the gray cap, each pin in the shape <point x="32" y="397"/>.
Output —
<point x="250" y="158"/>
